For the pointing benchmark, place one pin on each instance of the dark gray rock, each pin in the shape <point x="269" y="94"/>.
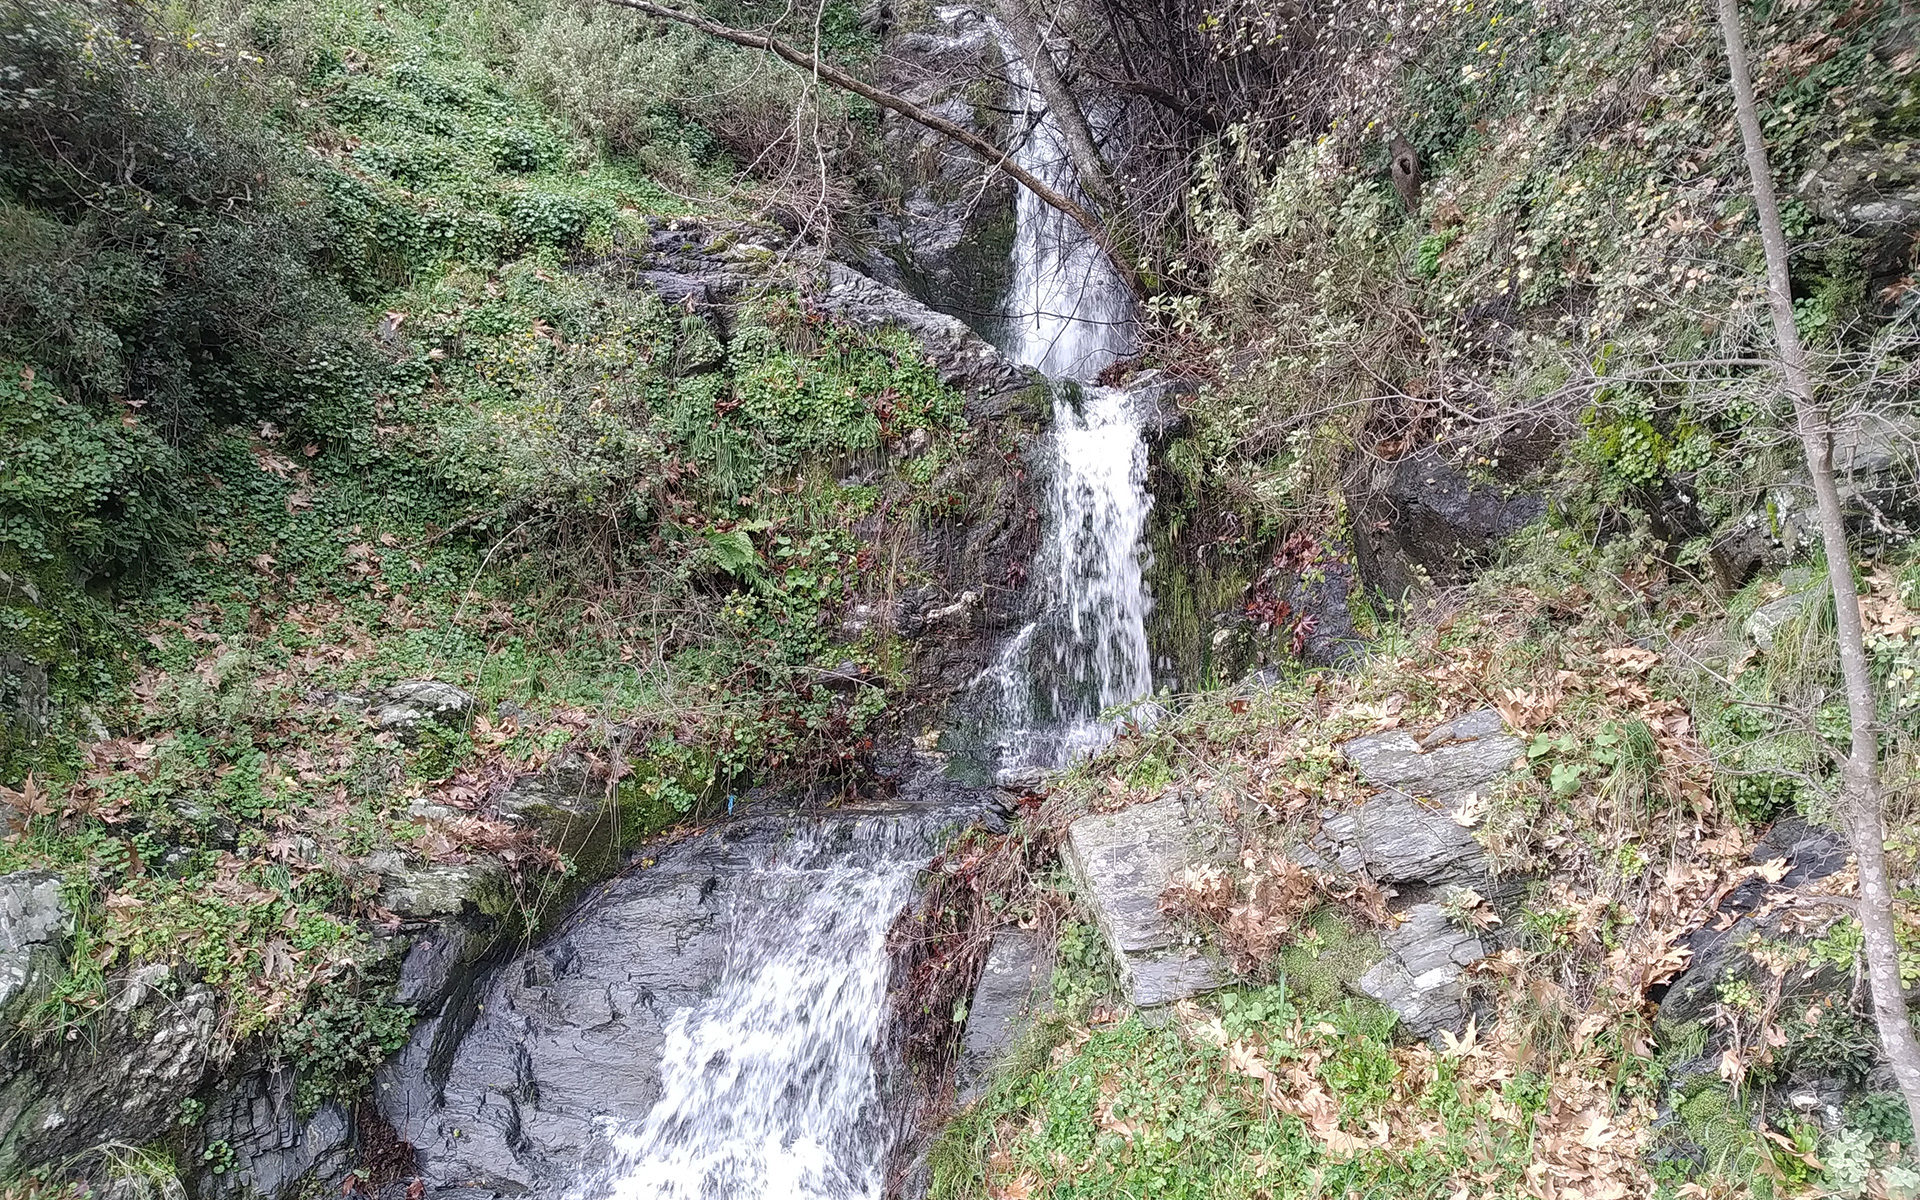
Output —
<point x="948" y="238"/>
<point x="24" y="699"/>
<point x="441" y="961"/>
<point x="1407" y="833"/>
<point x="1427" y="524"/>
<point x="1874" y="193"/>
<point x="275" y="1150"/>
<point x="1422" y="977"/>
<point x="1722" y="947"/>
<point x="1122" y="862"/>
<point x="1013" y="989"/>
<point x="406" y="707"/>
<point x="1398" y="839"/>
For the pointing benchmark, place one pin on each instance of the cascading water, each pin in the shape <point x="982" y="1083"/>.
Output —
<point x="1085" y="650"/>
<point x="770" y="1089"/>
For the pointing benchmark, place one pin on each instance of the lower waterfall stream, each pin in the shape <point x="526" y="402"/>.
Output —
<point x="773" y="1086"/>
<point x="770" y="1087"/>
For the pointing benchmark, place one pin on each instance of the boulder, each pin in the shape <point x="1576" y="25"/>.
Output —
<point x="123" y="1084"/>
<point x="31" y="910"/>
<point x="443" y="889"/>
<point x="1767" y="620"/>
<point x="1422" y="977"/>
<point x="1426" y="523"/>
<point x="33" y="918"/>
<point x="963" y="357"/>
<point x="275" y="1149"/>
<point x="1012" y="991"/>
<point x="407" y="707"/>
<point x="1873" y="193"/>
<point x="1122" y="862"/>
<point x="1407" y="833"/>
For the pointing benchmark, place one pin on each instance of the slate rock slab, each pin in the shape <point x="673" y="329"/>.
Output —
<point x="1407" y="834"/>
<point x="1013" y="989"/>
<point x="1454" y="761"/>
<point x="1122" y="862"/>
<point x="1422" y="977"/>
<point x="406" y="707"/>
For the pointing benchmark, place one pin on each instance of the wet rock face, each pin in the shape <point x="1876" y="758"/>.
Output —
<point x="1122" y="862"/>
<point x="502" y="1088"/>
<point x="1427" y="524"/>
<point x="1012" y="991"/>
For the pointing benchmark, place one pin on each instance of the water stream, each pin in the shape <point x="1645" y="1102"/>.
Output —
<point x="1084" y="650"/>
<point x="773" y="1087"/>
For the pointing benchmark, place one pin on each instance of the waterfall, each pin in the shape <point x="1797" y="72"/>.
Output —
<point x="770" y="1089"/>
<point x="1069" y="315"/>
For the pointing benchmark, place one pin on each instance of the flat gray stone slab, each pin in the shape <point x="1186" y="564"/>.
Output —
<point x="1122" y="862"/>
<point x="1423" y="976"/>
<point x="1397" y="839"/>
<point x="1408" y="833"/>
<point x="1012" y="991"/>
<point x="1449" y="764"/>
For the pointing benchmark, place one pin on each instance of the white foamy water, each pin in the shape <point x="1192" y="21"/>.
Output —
<point x="771" y="1088"/>
<point x="1085" y="650"/>
<point x="1068" y="313"/>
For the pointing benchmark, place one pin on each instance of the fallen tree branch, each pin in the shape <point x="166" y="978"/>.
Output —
<point x="996" y="157"/>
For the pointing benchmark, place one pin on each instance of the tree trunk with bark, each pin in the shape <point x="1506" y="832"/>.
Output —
<point x="1089" y="165"/>
<point x="1862" y="803"/>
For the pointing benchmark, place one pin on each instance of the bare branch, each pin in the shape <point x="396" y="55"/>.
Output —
<point x="995" y="156"/>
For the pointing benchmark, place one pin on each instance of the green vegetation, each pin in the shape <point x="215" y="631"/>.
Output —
<point x="345" y="382"/>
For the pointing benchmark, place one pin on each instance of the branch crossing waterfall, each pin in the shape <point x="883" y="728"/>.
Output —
<point x="1085" y="649"/>
<point x="771" y="1088"/>
<point x="774" y="1086"/>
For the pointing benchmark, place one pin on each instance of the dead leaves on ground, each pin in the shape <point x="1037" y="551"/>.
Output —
<point x="1582" y="1147"/>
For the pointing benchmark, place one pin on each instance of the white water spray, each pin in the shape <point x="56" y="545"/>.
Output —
<point x="770" y="1087"/>
<point x="1069" y="314"/>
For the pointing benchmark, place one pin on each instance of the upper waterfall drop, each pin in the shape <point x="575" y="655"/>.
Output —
<point x="1069" y="314"/>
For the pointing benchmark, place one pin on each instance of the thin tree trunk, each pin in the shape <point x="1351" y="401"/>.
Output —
<point x="1861" y="803"/>
<point x="1096" y="180"/>
<point x="995" y="157"/>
